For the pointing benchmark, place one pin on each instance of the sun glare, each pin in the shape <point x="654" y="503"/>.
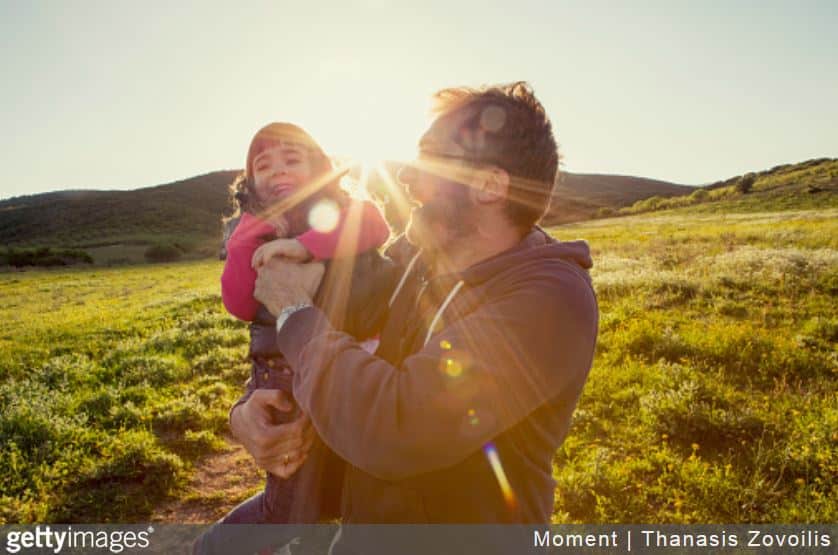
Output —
<point x="372" y="151"/>
<point x="324" y="216"/>
<point x="367" y="158"/>
<point x="368" y="144"/>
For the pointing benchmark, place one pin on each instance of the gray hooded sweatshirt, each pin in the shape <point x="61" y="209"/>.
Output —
<point x="457" y="416"/>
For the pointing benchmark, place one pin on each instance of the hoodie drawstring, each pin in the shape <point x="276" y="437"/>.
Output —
<point x="445" y="303"/>
<point x="448" y="299"/>
<point x="404" y="278"/>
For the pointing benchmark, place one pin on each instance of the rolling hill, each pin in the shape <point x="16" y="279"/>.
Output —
<point x="187" y="213"/>
<point x="576" y="197"/>
<point x="808" y="185"/>
<point x="580" y="196"/>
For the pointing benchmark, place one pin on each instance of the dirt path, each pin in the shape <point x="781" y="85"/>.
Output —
<point x="218" y="484"/>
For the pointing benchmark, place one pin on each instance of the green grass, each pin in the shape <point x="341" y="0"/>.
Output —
<point x="712" y="396"/>
<point x="113" y="382"/>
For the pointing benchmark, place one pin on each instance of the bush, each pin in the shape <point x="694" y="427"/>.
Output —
<point x="699" y="195"/>
<point x="164" y="252"/>
<point x="746" y="183"/>
<point x="44" y="256"/>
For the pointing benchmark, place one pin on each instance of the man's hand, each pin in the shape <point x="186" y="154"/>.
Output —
<point x="281" y="283"/>
<point x="278" y="448"/>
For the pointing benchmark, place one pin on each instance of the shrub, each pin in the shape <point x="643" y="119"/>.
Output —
<point x="44" y="256"/>
<point x="672" y="293"/>
<point x="163" y="252"/>
<point x="746" y="183"/>
<point x="651" y="341"/>
<point x="699" y="195"/>
<point x="695" y="407"/>
<point x="651" y="203"/>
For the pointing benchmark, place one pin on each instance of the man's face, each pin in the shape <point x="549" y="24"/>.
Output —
<point x="443" y="211"/>
<point x="280" y="169"/>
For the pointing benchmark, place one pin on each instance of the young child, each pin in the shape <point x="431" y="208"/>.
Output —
<point x="282" y="162"/>
<point x="280" y="191"/>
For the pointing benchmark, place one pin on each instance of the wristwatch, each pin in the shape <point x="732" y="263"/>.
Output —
<point x="286" y="312"/>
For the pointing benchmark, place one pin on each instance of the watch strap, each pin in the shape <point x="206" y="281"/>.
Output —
<point x="286" y="313"/>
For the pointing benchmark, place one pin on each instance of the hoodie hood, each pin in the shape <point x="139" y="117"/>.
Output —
<point x="534" y="252"/>
<point x="536" y="247"/>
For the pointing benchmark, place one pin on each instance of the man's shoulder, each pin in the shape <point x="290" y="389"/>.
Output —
<point x="550" y="276"/>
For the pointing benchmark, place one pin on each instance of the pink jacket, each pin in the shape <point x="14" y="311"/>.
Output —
<point x="239" y="278"/>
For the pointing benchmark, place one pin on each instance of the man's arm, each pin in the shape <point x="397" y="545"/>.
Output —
<point x="475" y="379"/>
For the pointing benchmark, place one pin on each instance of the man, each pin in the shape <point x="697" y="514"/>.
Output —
<point x="484" y="350"/>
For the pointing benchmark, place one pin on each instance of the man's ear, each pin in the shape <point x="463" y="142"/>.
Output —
<point x="491" y="185"/>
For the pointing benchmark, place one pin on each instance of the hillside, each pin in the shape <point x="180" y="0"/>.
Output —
<point x="118" y="226"/>
<point x="580" y="196"/>
<point x="811" y="184"/>
<point x="187" y="210"/>
<point x="577" y="196"/>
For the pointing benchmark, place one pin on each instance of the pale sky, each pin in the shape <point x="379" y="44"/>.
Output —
<point x="123" y="95"/>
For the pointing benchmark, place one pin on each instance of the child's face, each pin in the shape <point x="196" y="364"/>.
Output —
<point x="279" y="169"/>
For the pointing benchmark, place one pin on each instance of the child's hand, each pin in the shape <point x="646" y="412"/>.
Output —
<point x="289" y="248"/>
<point x="280" y="224"/>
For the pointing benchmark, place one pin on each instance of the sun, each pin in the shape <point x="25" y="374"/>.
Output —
<point x="366" y="161"/>
<point x="367" y="156"/>
<point x="370" y="149"/>
<point x="368" y="142"/>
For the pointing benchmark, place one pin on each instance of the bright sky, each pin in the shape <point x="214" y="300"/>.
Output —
<point x="122" y="95"/>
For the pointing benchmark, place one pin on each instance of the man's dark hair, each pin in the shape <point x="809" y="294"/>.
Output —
<point x="508" y="127"/>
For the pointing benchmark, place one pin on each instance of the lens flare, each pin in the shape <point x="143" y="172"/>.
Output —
<point x="453" y="368"/>
<point x="493" y="118"/>
<point x="445" y="345"/>
<point x="494" y="461"/>
<point x="324" y="216"/>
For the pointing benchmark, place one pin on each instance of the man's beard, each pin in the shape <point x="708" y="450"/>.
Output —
<point x="443" y="222"/>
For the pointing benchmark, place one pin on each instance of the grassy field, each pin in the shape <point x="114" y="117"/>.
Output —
<point x="712" y="398"/>
<point x="113" y="382"/>
<point x="713" y="394"/>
